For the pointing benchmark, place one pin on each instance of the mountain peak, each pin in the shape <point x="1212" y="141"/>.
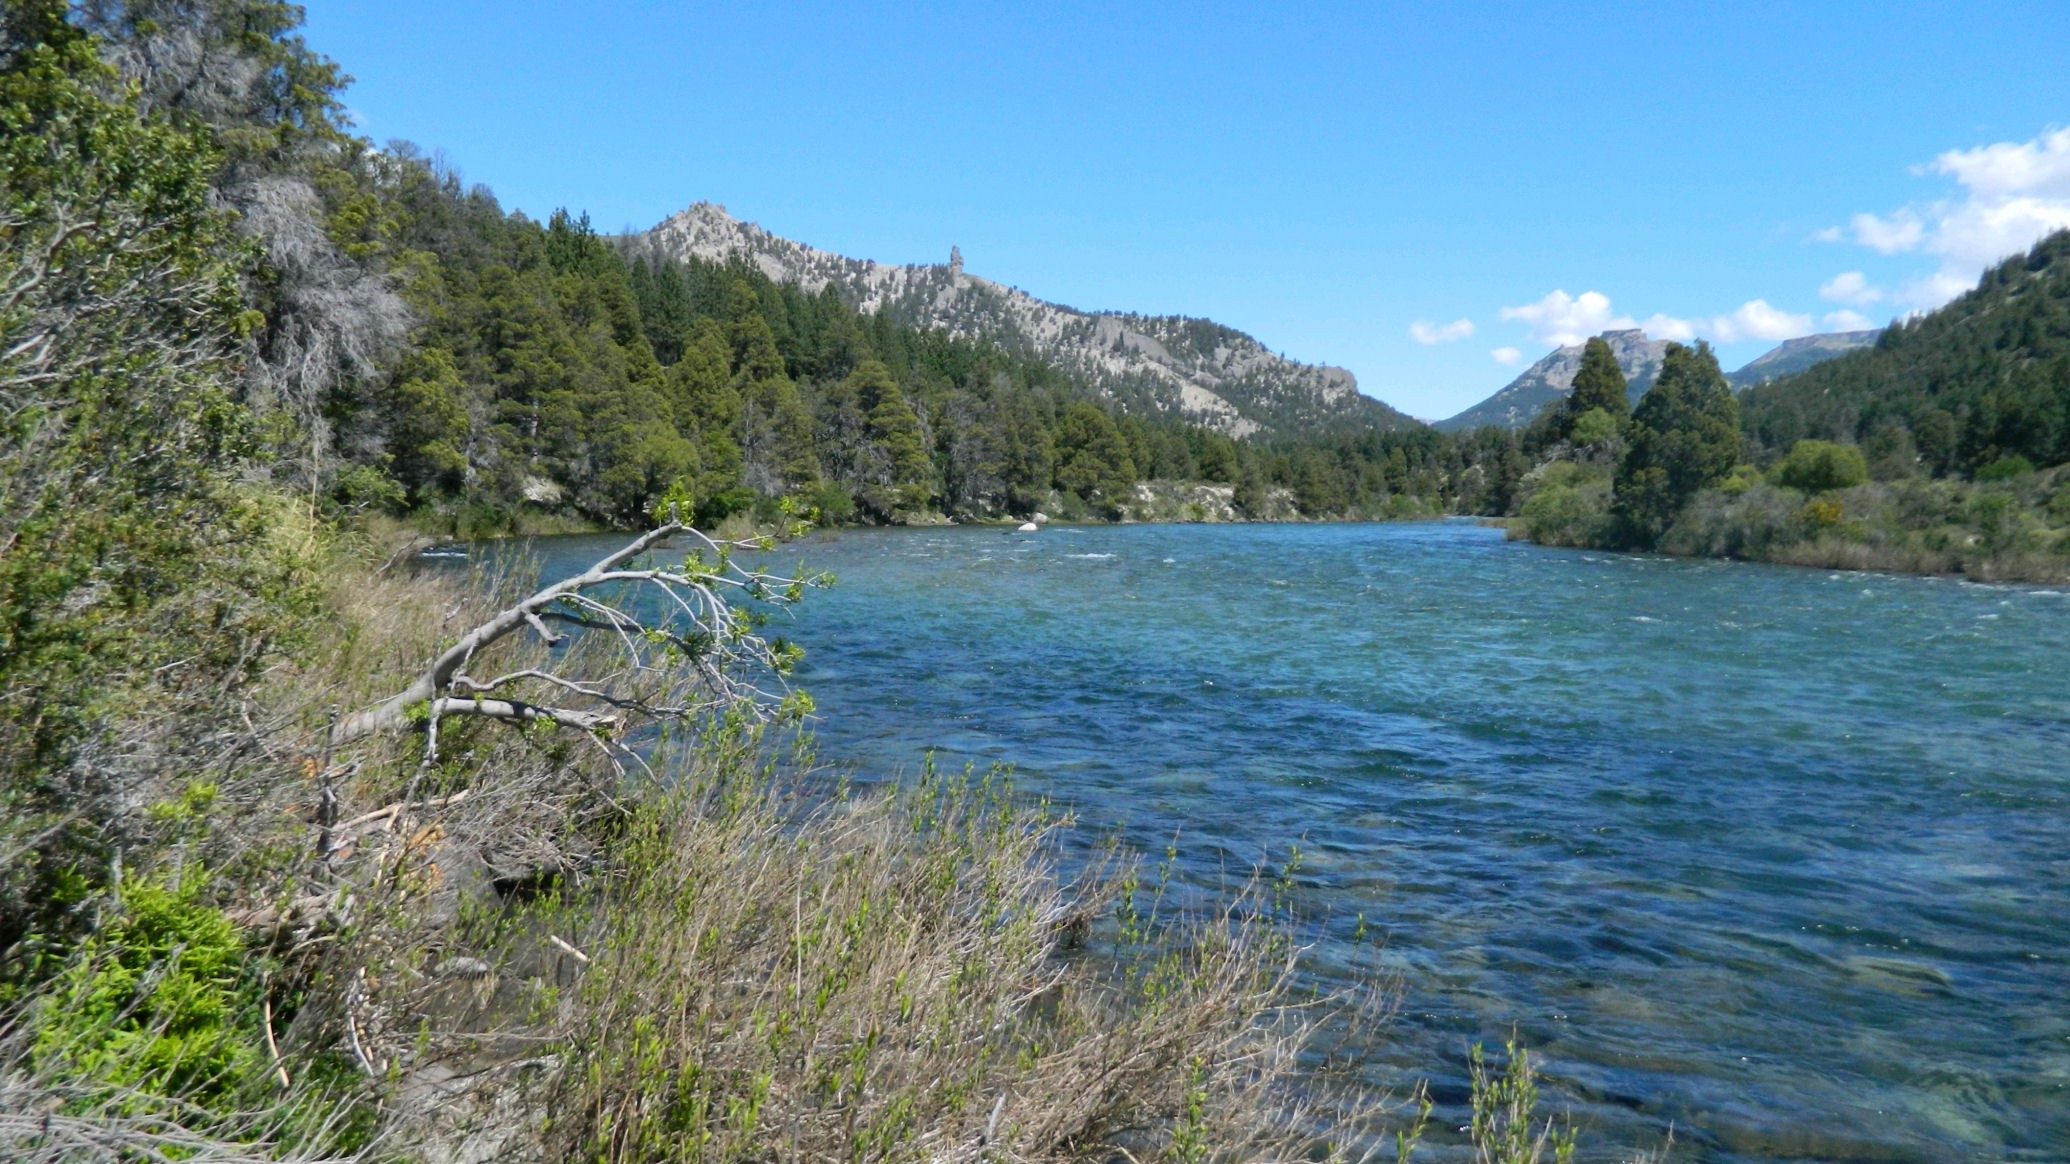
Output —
<point x="1553" y="377"/>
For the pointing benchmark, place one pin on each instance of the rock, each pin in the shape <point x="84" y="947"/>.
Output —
<point x="1040" y="519"/>
<point x="1028" y="527"/>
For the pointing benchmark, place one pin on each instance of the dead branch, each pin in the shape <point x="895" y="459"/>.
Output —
<point x="685" y="647"/>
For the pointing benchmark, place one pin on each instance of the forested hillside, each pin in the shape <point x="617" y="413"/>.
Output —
<point x="1982" y="380"/>
<point x="551" y="370"/>
<point x="1154" y="366"/>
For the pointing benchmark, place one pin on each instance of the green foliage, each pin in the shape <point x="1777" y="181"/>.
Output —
<point x="1976" y="381"/>
<point x="1566" y="504"/>
<point x="1505" y="1124"/>
<point x="1599" y="386"/>
<point x="1684" y="437"/>
<point x="1819" y="466"/>
<point x="156" y="1001"/>
<point x="1595" y="427"/>
<point x="2005" y="469"/>
<point x="126" y="547"/>
<point x="1092" y="460"/>
<point x="1999" y="530"/>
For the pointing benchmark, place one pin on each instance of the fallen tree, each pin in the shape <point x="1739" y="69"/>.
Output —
<point x="685" y="646"/>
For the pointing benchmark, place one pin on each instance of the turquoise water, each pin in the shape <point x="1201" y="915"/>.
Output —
<point x="1779" y="857"/>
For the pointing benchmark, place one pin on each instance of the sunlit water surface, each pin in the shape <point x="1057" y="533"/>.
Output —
<point x="1779" y="857"/>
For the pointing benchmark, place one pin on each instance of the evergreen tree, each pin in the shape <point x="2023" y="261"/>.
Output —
<point x="1599" y="384"/>
<point x="1684" y="436"/>
<point x="1092" y="457"/>
<point x="893" y="465"/>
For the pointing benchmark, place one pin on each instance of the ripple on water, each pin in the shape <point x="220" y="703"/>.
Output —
<point x="1773" y="854"/>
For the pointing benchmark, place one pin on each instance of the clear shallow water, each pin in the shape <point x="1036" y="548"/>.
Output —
<point x="1779" y="856"/>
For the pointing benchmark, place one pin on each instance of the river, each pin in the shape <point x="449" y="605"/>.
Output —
<point x="1778" y="857"/>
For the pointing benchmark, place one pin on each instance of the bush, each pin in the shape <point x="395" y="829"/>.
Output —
<point x="879" y="978"/>
<point x="1822" y="466"/>
<point x="156" y="1001"/>
<point x="2006" y="469"/>
<point x="1720" y="523"/>
<point x="1567" y="505"/>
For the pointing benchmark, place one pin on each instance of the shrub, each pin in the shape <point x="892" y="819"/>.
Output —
<point x="156" y="1001"/>
<point x="1566" y="505"/>
<point x="2006" y="469"/>
<point x="1719" y="523"/>
<point x="1821" y="466"/>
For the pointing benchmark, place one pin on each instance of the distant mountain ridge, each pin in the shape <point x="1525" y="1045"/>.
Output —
<point x="1798" y="354"/>
<point x="1640" y="358"/>
<point x="1552" y="377"/>
<point x="1193" y="368"/>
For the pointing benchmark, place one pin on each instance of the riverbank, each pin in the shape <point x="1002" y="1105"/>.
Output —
<point x="2015" y="530"/>
<point x="435" y="934"/>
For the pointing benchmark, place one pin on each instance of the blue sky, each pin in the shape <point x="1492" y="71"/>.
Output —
<point x="1347" y="182"/>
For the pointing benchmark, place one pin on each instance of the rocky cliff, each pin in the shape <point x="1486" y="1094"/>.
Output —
<point x="1194" y="368"/>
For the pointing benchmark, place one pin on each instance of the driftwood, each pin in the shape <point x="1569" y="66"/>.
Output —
<point x="687" y="650"/>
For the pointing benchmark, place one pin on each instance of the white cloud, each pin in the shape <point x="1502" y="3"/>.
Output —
<point x="2012" y="195"/>
<point x="1756" y="320"/>
<point x="1507" y="357"/>
<point x="1851" y="288"/>
<point x="1900" y="232"/>
<point x="2040" y="167"/>
<point x="1563" y="319"/>
<point x="1752" y="320"/>
<point x="1425" y="332"/>
<point x="1831" y="234"/>
<point x="1978" y="232"/>
<point x="1667" y="327"/>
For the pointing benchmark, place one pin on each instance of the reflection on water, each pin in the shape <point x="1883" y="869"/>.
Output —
<point x="1775" y="855"/>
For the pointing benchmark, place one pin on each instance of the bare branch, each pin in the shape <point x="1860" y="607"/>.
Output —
<point x="674" y="628"/>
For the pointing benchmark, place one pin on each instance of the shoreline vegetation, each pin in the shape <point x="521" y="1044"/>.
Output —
<point x="2010" y="532"/>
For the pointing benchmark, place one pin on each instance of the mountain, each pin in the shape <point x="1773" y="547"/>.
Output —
<point x="1985" y="378"/>
<point x="1552" y="377"/>
<point x="1796" y="355"/>
<point x="1194" y="368"/>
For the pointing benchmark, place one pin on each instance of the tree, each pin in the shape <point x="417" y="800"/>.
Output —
<point x="1599" y="384"/>
<point x="1684" y="436"/>
<point x="893" y="467"/>
<point x="1092" y="458"/>
<point x="238" y="75"/>
<point x="133" y="571"/>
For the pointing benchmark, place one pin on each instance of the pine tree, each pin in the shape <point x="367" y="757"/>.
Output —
<point x="1684" y="436"/>
<point x="1598" y="385"/>
<point x="1092" y="457"/>
<point x="894" y="466"/>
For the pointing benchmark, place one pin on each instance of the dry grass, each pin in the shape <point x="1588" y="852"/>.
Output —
<point x="888" y="978"/>
<point x="734" y="962"/>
